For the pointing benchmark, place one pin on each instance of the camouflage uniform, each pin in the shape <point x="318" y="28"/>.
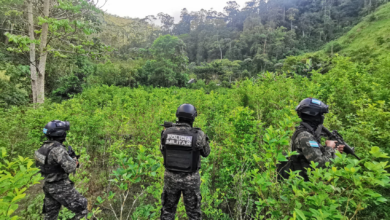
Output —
<point x="58" y="189"/>
<point x="310" y="149"/>
<point x="189" y="183"/>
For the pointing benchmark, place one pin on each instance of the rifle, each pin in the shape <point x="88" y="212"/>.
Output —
<point x="72" y="154"/>
<point x="334" y="135"/>
<point x="168" y="124"/>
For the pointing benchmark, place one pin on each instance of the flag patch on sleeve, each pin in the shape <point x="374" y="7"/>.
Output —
<point x="313" y="144"/>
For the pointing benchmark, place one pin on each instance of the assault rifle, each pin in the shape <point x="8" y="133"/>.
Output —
<point x="72" y="154"/>
<point x="168" y="124"/>
<point x="334" y="135"/>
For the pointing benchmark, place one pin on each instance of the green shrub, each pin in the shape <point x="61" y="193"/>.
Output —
<point x="16" y="176"/>
<point x="249" y="126"/>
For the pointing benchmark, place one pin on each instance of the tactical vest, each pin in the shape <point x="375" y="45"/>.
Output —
<point x="41" y="156"/>
<point x="299" y="162"/>
<point x="180" y="150"/>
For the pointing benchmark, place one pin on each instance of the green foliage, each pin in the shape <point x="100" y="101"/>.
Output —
<point x="338" y="192"/>
<point x="250" y="125"/>
<point x="369" y="39"/>
<point x="132" y="171"/>
<point x="14" y="84"/>
<point x="115" y="74"/>
<point x="223" y="72"/>
<point x="171" y="48"/>
<point x="223" y="47"/>
<point x="75" y="28"/>
<point x="16" y="177"/>
<point x="161" y="74"/>
<point x="168" y="66"/>
<point x="333" y="48"/>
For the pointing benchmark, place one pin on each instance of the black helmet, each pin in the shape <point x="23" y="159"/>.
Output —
<point x="312" y="107"/>
<point x="56" y="128"/>
<point x="186" y="111"/>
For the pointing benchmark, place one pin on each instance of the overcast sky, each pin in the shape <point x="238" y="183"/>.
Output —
<point x="142" y="8"/>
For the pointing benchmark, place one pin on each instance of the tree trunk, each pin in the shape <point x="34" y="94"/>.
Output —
<point x="33" y="66"/>
<point x="220" y="49"/>
<point x="43" y="54"/>
<point x="331" y="50"/>
<point x="11" y="27"/>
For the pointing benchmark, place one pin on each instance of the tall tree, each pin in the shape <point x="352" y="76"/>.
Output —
<point x="184" y="26"/>
<point x="167" y="22"/>
<point x="58" y="28"/>
<point x="33" y="64"/>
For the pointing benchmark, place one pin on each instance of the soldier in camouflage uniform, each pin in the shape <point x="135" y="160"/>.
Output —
<point x="307" y="137"/>
<point x="182" y="145"/>
<point x="56" y="165"/>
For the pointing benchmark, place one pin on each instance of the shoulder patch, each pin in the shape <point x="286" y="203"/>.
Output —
<point x="313" y="144"/>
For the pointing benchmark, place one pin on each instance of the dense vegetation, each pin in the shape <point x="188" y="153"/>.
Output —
<point x="216" y="48"/>
<point x="117" y="132"/>
<point x="250" y="74"/>
<point x="367" y="42"/>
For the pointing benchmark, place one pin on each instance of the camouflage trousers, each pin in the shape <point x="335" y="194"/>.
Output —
<point x="174" y="184"/>
<point x="63" y="193"/>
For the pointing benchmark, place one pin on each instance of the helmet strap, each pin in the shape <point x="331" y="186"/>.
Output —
<point x="319" y="130"/>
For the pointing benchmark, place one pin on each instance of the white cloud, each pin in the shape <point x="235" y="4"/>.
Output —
<point x="142" y="8"/>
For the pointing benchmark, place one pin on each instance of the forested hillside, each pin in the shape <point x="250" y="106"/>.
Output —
<point x="118" y="79"/>
<point x="85" y="46"/>
<point x="369" y="39"/>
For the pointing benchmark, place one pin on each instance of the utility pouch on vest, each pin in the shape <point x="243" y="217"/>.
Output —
<point x="180" y="151"/>
<point x="41" y="156"/>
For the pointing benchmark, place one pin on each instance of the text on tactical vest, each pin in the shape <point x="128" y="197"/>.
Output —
<point x="181" y="140"/>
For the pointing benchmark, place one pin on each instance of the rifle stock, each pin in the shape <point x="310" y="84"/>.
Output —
<point x="168" y="124"/>
<point x="334" y="135"/>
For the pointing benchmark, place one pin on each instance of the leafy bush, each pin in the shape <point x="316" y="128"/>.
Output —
<point x="16" y="177"/>
<point x="333" y="47"/>
<point x="14" y="85"/>
<point x="249" y="125"/>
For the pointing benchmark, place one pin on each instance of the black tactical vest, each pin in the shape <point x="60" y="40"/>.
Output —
<point x="179" y="149"/>
<point x="299" y="162"/>
<point x="41" y="156"/>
